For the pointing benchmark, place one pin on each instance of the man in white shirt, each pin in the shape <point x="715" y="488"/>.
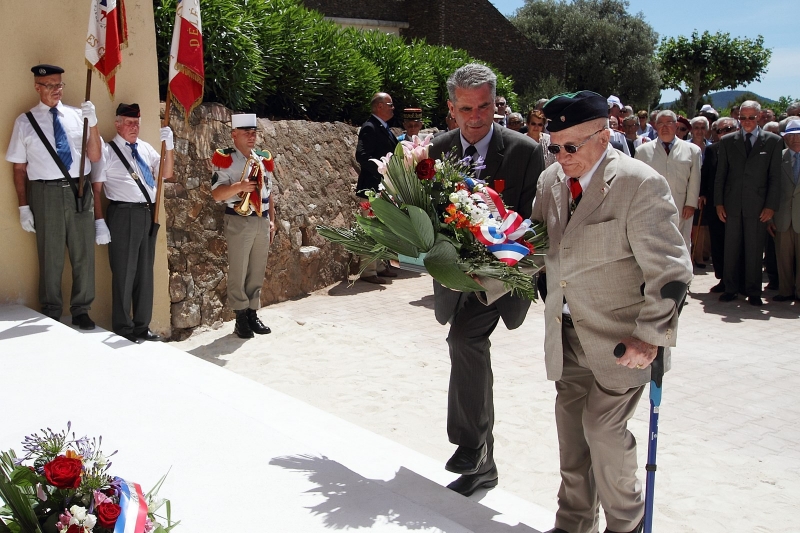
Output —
<point x="131" y="171"/>
<point x="51" y="207"/>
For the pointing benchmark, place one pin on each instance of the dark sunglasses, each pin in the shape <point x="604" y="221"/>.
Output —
<point x="683" y="128"/>
<point x="571" y="148"/>
<point x="536" y="124"/>
<point x="726" y="130"/>
<point x="754" y="117"/>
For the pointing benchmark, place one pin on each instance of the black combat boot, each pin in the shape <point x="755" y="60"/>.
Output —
<point x="242" y="328"/>
<point x="255" y="323"/>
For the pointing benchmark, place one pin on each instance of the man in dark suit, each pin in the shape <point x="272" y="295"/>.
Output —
<point x="375" y="140"/>
<point x="716" y="228"/>
<point x="513" y="164"/>
<point x="746" y="193"/>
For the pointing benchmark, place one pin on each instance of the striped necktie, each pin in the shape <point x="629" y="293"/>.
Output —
<point x="62" y="145"/>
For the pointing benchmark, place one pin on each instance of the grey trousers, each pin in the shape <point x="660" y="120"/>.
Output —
<point x="596" y="450"/>
<point x="60" y="226"/>
<point x="787" y="250"/>
<point x="248" y="247"/>
<point x="470" y="401"/>
<point x="131" y="254"/>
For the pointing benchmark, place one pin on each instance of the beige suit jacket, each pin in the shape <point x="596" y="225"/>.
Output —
<point x="621" y="246"/>
<point x="681" y="168"/>
<point x="788" y="213"/>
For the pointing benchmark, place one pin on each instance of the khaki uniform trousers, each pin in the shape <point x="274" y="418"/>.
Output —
<point x="787" y="247"/>
<point x="248" y="247"/>
<point x="597" y="452"/>
<point x="58" y="226"/>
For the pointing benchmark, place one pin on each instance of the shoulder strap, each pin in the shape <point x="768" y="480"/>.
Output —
<point x="130" y="170"/>
<point x="52" y="152"/>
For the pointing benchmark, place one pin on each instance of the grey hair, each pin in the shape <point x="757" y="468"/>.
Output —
<point x="471" y="76"/>
<point x="119" y="119"/>
<point x="667" y="113"/>
<point x="751" y="104"/>
<point x="793" y="109"/>
<point x="702" y="120"/>
<point x="516" y="116"/>
<point x="772" y="127"/>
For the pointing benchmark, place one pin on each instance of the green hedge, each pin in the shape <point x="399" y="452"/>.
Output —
<point x="279" y="59"/>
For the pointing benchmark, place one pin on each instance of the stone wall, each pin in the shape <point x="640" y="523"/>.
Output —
<point x="314" y="179"/>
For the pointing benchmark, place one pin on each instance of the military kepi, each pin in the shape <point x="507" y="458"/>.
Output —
<point x="128" y="110"/>
<point x="243" y="121"/>
<point x="412" y="113"/>
<point x="570" y="109"/>
<point x="46" y="70"/>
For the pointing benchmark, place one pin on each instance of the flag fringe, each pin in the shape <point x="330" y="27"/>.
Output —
<point x="183" y="69"/>
<point x="103" y="77"/>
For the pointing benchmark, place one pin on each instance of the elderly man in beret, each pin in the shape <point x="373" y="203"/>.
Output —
<point x="131" y="169"/>
<point x="412" y="123"/>
<point x="614" y="246"/>
<point x="45" y="149"/>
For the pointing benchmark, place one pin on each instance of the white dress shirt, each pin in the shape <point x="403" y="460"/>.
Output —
<point x="119" y="185"/>
<point x="26" y="147"/>
<point x="481" y="146"/>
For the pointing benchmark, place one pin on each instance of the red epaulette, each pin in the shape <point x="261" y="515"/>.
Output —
<point x="222" y="157"/>
<point x="266" y="158"/>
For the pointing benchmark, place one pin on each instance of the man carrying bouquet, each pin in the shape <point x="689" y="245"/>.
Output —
<point x="614" y="261"/>
<point x="513" y="164"/>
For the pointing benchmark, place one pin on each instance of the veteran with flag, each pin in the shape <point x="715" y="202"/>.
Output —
<point x="242" y="179"/>
<point x="45" y="149"/>
<point x="131" y="165"/>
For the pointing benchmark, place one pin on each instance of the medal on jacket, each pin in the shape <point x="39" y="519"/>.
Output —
<point x="135" y="176"/>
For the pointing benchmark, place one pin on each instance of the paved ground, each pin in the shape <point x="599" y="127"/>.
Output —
<point x="729" y="445"/>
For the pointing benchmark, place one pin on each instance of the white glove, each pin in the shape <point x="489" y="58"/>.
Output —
<point x="26" y="218"/>
<point x="88" y="112"/>
<point x="166" y="137"/>
<point x="101" y="233"/>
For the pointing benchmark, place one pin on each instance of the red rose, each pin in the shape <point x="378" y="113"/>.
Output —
<point x="107" y="514"/>
<point x="63" y="472"/>
<point x="75" y="528"/>
<point x="425" y="169"/>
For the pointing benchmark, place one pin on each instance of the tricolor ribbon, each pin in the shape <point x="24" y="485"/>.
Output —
<point x="500" y="240"/>
<point x="133" y="516"/>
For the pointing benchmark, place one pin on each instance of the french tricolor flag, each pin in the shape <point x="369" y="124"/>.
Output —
<point x="509" y="252"/>
<point x="107" y="36"/>
<point x="186" y="70"/>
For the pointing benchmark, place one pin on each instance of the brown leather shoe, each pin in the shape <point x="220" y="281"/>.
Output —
<point x="375" y="279"/>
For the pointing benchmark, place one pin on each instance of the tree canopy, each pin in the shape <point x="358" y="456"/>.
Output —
<point x="702" y="63"/>
<point x="607" y="49"/>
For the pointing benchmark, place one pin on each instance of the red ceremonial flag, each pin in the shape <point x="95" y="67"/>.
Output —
<point x="186" y="71"/>
<point x="107" y="36"/>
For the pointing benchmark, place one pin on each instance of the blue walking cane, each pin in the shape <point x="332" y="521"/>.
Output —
<point x="674" y="290"/>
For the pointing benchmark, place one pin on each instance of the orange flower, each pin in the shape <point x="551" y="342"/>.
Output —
<point x="72" y="455"/>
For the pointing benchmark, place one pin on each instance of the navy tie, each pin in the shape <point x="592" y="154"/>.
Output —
<point x="148" y="176"/>
<point x="62" y="145"/>
<point x="747" y="144"/>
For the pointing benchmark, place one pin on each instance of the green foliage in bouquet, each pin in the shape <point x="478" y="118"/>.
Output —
<point x="425" y="209"/>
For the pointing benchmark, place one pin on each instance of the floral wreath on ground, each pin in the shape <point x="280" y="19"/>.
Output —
<point x="437" y="215"/>
<point x="62" y="485"/>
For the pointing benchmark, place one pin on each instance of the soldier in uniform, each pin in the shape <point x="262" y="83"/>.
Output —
<point x="248" y="236"/>
<point x="131" y="170"/>
<point x="48" y="205"/>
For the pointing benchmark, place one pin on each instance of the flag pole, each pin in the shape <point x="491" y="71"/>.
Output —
<point x="83" y="141"/>
<point x="159" y="183"/>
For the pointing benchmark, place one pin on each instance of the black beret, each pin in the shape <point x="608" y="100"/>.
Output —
<point x="128" y="110"/>
<point x="570" y="109"/>
<point x="46" y="70"/>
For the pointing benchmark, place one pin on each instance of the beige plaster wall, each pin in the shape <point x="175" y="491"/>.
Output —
<point x="27" y="39"/>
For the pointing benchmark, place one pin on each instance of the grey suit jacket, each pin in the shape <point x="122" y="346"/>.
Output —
<point x="610" y="261"/>
<point x="681" y="168"/>
<point x="518" y="160"/>
<point x="788" y="213"/>
<point x="746" y="185"/>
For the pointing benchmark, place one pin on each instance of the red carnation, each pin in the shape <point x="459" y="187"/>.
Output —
<point x="107" y="514"/>
<point x="63" y="472"/>
<point x="425" y="169"/>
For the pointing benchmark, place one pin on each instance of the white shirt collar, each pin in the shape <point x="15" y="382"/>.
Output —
<point x="587" y="178"/>
<point x="482" y="146"/>
<point x="385" y="124"/>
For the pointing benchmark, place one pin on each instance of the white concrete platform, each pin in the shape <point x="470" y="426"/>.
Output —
<point x="241" y="456"/>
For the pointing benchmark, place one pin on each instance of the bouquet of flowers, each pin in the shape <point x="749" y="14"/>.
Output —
<point x="436" y="213"/>
<point x="62" y="485"/>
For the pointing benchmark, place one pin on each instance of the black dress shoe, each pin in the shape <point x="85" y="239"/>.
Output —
<point x="466" y="485"/>
<point x="387" y="273"/>
<point x="83" y="321"/>
<point x="242" y="328"/>
<point x="148" y="335"/>
<point x="772" y="286"/>
<point x="779" y="298"/>
<point x="637" y="529"/>
<point x="719" y="287"/>
<point x="133" y="338"/>
<point x="728" y="296"/>
<point x="556" y="530"/>
<point x="466" y="461"/>
<point x="255" y="323"/>
<point x="700" y="265"/>
<point x="755" y="301"/>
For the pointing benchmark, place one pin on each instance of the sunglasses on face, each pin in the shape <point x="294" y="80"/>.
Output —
<point x="536" y="124"/>
<point x="571" y="148"/>
<point x="726" y="130"/>
<point x="742" y="117"/>
<point x="684" y="129"/>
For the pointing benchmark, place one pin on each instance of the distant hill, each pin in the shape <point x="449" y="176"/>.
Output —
<point x="723" y="99"/>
